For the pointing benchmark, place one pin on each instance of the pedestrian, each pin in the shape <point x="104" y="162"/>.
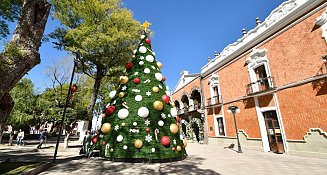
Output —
<point x="42" y="138"/>
<point x="20" y="137"/>
<point x="86" y="143"/>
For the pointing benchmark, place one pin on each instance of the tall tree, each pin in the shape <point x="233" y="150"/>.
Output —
<point x="9" y="12"/>
<point x="102" y="31"/>
<point x="22" y="52"/>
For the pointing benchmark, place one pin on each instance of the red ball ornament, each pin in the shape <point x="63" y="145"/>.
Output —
<point x="163" y="78"/>
<point x="147" y="40"/>
<point x="129" y="65"/>
<point x="94" y="139"/>
<point x="103" y="143"/>
<point x="165" y="141"/>
<point x="165" y="98"/>
<point x="136" y="80"/>
<point x="110" y="110"/>
<point x="147" y="129"/>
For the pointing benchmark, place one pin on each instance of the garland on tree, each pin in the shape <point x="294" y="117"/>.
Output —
<point x="139" y="122"/>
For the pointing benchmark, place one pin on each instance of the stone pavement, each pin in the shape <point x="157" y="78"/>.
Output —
<point x="202" y="159"/>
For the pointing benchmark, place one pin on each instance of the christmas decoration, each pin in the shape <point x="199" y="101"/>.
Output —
<point x="178" y="148"/>
<point x="110" y="110"/>
<point x="123" y="113"/>
<point x="142" y="107"/>
<point x="147" y="40"/>
<point x="112" y="94"/>
<point x="173" y="128"/>
<point x="129" y="65"/>
<point x="163" y="78"/>
<point x="158" y="105"/>
<point x="105" y="128"/>
<point x="165" y="98"/>
<point x="138" y="143"/>
<point x="123" y="79"/>
<point x="94" y="139"/>
<point x="165" y="141"/>
<point x="159" y="65"/>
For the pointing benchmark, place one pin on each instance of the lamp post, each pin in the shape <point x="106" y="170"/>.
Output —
<point x="65" y="108"/>
<point x="235" y="109"/>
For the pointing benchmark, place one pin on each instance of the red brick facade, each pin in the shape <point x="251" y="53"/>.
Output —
<point x="299" y="92"/>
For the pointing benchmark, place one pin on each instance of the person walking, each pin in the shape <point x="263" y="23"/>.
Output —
<point x="42" y="138"/>
<point x="86" y="143"/>
<point x="20" y="137"/>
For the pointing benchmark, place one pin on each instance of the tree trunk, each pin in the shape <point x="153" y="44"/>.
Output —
<point x="6" y="105"/>
<point x="22" y="52"/>
<point x="95" y="92"/>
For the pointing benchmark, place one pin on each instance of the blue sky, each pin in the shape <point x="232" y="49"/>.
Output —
<point x="186" y="32"/>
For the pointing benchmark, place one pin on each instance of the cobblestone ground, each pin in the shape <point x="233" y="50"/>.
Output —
<point x="202" y="159"/>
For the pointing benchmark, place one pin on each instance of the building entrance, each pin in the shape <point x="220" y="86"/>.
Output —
<point x="274" y="132"/>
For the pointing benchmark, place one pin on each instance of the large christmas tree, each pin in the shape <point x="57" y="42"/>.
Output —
<point x="139" y="123"/>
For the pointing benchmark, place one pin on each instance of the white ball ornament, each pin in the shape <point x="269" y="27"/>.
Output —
<point x="142" y="36"/>
<point x="160" y="123"/>
<point x="143" y="112"/>
<point x="123" y="113"/>
<point x="147" y="70"/>
<point x="153" y="150"/>
<point x="141" y="63"/>
<point x="134" y="124"/>
<point x="120" y="138"/>
<point x="125" y="147"/>
<point x="112" y="94"/>
<point x="142" y="49"/>
<point x="138" y="98"/>
<point x="173" y="112"/>
<point x="134" y="51"/>
<point x="149" y="58"/>
<point x="158" y="76"/>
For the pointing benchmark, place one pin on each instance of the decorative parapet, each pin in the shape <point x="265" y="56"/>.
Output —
<point x="321" y="21"/>
<point x="315" y="130"/>
<point x="284" y="13"/>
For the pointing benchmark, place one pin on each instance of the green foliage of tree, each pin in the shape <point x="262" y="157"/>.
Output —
<point x="9" y="12"/>
<point x="102" y="31"/>
<point x="25" y="99"/>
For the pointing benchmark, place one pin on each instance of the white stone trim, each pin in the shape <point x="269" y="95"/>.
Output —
<point x="278" y="19"/>
<point x="321" y="21"/>
<point x="262" y="126"/>
<point x="269" y="108"/>
<point x="216" y="124"/>
<point x="214" y="82"/>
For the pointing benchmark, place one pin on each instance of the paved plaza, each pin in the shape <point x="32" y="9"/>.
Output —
<point x="202" y="159"/>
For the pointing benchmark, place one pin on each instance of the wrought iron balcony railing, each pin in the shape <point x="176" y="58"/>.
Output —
<point x="261" y="85"/>
<point x="214" y="100"/>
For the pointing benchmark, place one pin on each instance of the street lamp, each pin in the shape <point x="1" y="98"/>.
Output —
<point x="66" y="104"/>
<point x="233" y="109"/>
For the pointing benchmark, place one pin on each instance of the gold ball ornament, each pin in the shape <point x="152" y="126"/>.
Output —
<point x="138" y="143"/>
<point x="184" y="143"/>
<point x="111" y="150"/>
<point x="123" y="124"/>
<point x="121" y="94"/>
<point x="179" y="148"/>
<point x="123" y="79"/>
<point x="105" y="128"/>
<point x="173" y="128"/>
<point x="159" y="65"/>
<point x="158" y="105"/>
<point x="155" y="89"/>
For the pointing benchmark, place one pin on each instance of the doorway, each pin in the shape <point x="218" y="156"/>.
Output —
<point x="274" y="133"/>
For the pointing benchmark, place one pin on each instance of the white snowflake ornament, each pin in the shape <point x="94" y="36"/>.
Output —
<point x="147" y="122"/>
<point x="148" y="138"/>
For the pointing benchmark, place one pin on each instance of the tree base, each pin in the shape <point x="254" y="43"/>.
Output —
<point x="145" y="160"/>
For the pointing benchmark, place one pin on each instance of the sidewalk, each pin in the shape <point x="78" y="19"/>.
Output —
<point x="203" y="159"/>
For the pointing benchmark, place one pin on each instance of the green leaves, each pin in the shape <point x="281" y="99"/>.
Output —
<point x="9" y="12"/>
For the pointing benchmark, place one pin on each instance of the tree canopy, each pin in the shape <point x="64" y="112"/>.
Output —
<point x="9" y="12"/>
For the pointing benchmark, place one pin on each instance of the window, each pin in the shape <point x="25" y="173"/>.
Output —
<point x="215" y="96"/>
<point x="221" y="130"/>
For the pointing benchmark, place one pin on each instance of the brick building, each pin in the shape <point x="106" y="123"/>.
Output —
<point x="276" y="74"/>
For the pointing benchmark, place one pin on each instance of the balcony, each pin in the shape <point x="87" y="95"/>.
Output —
<point x="261" y="85"/>
<point x="214" y="100"/>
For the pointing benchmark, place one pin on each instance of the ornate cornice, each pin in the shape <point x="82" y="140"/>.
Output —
<point x="279" y="18"/>
<point x="321" y="20"/>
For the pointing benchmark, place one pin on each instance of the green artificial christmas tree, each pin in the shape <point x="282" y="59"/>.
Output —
<point x="139" y="123"/>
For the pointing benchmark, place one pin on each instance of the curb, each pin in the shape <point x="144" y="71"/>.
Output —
<point x="39" y="169"/>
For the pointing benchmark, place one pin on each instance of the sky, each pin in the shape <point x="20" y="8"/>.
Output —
<point x="186" y="32"/>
